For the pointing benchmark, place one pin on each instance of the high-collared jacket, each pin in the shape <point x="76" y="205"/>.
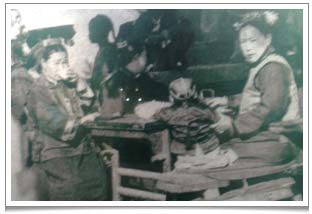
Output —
<point x="55" y="111"/>
<point x="270" y="95"/>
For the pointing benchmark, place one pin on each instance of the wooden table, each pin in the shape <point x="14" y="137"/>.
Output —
<point x="132" y="127"/>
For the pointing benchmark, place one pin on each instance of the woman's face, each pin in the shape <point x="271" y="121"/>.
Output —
<point x="253" y="43"/>
<point x="138" y="63"/>
<point x="56" y="68"/>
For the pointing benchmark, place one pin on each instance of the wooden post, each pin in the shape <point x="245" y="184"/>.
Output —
<point x="165" y="138"/>
<point x="115" y="176"/>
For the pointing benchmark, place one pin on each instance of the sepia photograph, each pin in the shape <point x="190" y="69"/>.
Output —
<point x="156" y="104"/>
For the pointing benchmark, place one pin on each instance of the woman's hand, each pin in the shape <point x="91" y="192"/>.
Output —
<point x="89" y="117"/>
<point x="223" y="125"/>
<point x="215" y="102"/>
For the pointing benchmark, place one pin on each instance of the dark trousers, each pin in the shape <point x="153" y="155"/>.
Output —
<point x="78" y="178"/>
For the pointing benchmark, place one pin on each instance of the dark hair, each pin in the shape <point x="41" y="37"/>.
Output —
<point x="263" y="20"/>
<point x="101" y="23"/>
<point x="33" y="61"/>
<point x="47" y="51"/>
<point x="260" y="24"/>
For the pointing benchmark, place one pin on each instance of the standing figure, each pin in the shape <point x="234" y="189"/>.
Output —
<point x="100" y="27"/>
<point x="62" y="147"/>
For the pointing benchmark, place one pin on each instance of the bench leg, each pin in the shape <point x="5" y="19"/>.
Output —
<point x="113" y="156"/>
<point x="115" y="176"/>
<point x="165" y="138"/>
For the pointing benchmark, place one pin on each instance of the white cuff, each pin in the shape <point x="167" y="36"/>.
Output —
<point x="69" y="130"/>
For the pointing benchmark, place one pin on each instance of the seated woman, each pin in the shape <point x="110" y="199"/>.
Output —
<point x="270" y="94"/>
<point x="269" y="97"/>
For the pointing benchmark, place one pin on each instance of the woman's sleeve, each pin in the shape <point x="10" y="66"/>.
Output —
<point x="49" y="117"/>
<point x="273" y="83"/>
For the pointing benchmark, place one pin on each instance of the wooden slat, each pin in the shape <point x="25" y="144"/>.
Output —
<point x="118" y="134"/>
<point x="129" y="122"/>
<point x="180" y="183"/>
<point x="139" y="173"/>
<point x="237" y="174"/>
<point x="188" y="179"/>
<point x="260" y="187"/>
<point x="187" y="187"/>
<point x="271" y="195"/>
<point x="169" y="177"/>
<point x="241" y="169"/>
<point x="141" y="194"/>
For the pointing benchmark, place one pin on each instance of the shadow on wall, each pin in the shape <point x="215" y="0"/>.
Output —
<point x="83" y="53"/>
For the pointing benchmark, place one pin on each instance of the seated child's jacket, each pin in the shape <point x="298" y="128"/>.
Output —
<point x="189" y="125"/>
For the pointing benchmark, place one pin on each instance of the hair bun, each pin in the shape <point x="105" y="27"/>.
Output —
<point x="271" y="17"/>
<point x="267" y="17"/>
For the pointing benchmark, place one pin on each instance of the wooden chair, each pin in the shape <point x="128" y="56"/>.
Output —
<point x="168" y="182"/>
<point x="211" y="181"/>
<point x="246" y="171"/>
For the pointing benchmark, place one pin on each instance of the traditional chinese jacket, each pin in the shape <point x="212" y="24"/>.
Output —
<point x="55" y="110"/>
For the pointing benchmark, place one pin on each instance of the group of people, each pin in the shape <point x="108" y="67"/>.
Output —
<point x="156" y="41"/>
<point x="52" y="103"/>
